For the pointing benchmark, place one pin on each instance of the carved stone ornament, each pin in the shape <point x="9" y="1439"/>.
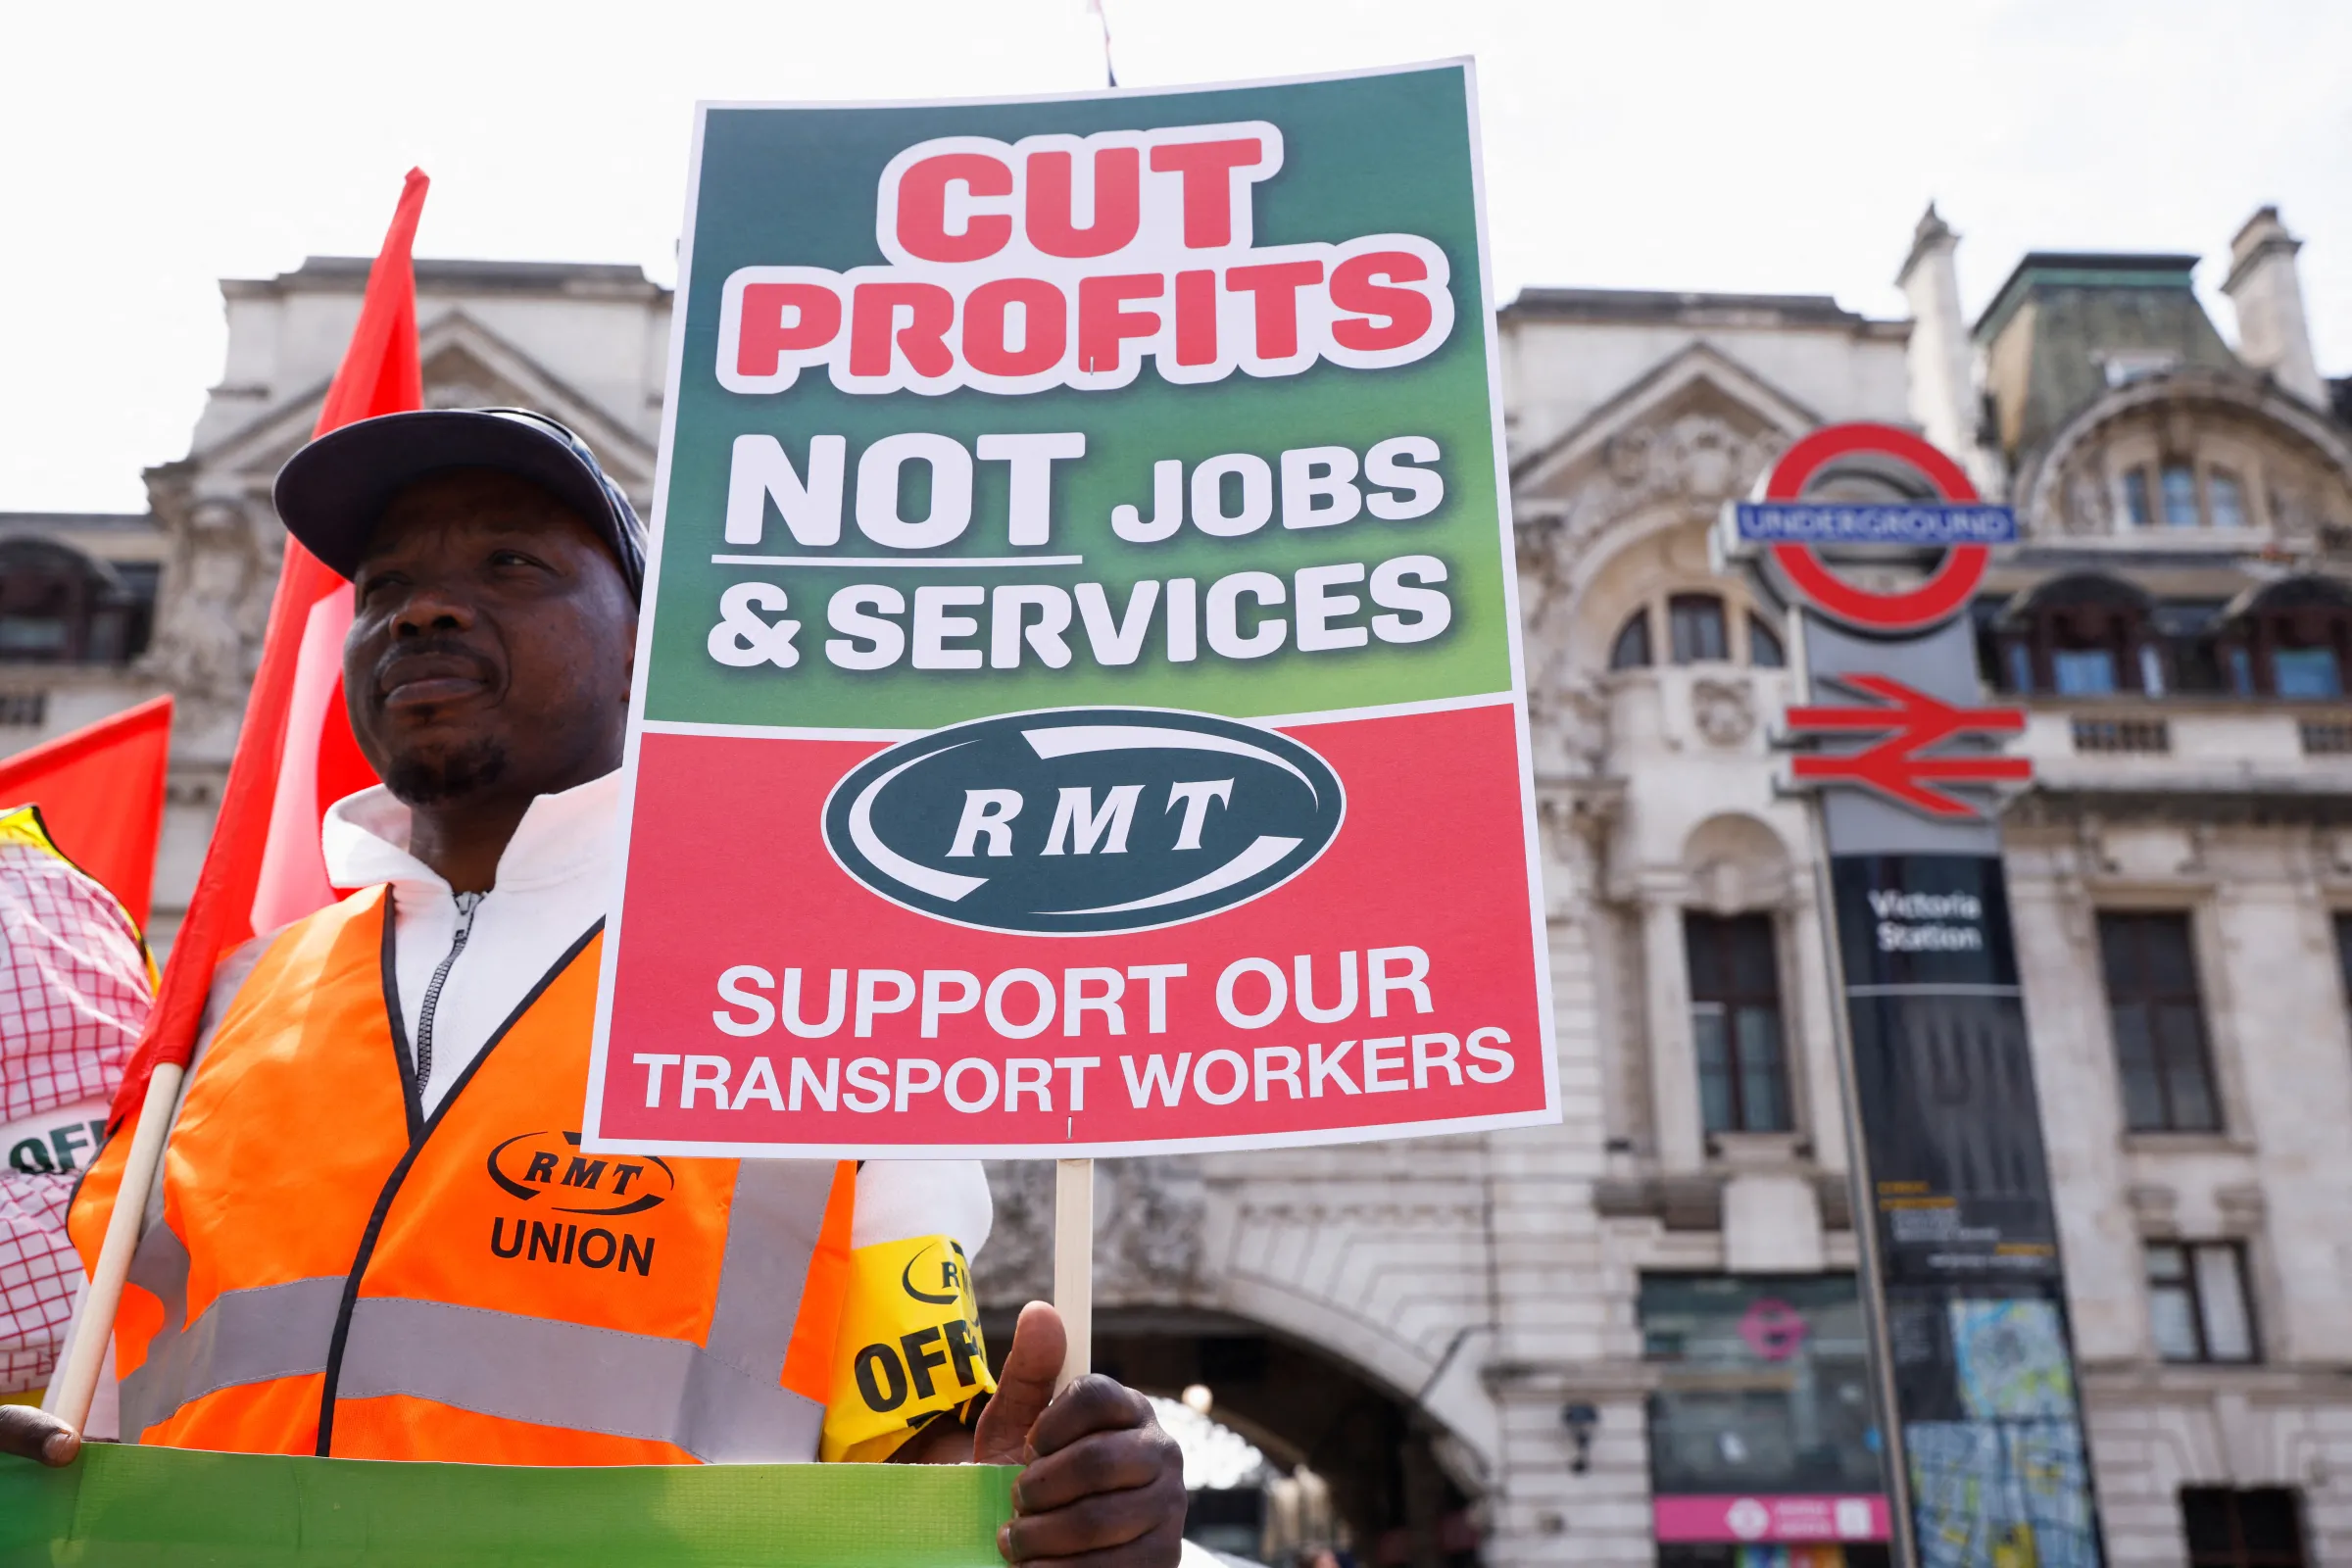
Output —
<point x="1701" y="459"/>
<point x="1724" y="710"/>
<point x="209" y="625"/>
<point x="2087" y="510"/>
<point x="1149" y="1215"/>
<point x="1568" y="715"/>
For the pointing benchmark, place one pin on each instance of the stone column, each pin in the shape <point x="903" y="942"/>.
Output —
<point x="1673" y="1060"/>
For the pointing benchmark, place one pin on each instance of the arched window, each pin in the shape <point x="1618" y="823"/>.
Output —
<point x="2224" y="499"/>
<point x="2292" y="639"/>
<point x="59" y="606"/>
<point x="1699" y="634"/>
<point x="1631" y="650"/>
<point x="2174" y="494"/>
<point x="2082" y="636"/>
<point x="1698" y="631"/>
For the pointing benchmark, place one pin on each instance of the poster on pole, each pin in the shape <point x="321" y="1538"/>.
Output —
<point x="1079" y="705"/>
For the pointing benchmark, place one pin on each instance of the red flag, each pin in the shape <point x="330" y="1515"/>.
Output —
<point x="295" y="755"/>
<point x="101" y="794"/>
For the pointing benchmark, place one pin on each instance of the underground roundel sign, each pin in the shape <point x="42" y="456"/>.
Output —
<point x="1091" y="819"/>
<point x="1078" y="704"/>
<point x="1787" y="528"/>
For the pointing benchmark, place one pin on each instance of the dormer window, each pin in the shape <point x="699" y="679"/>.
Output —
<point x="59" y="606"/>
<point x="2293" y="638"/>
<point x="2083" y="672"/>
<point x="2311" y="673"/>
<point x="2081" y="636"/>
<point x="2305" y="650"/>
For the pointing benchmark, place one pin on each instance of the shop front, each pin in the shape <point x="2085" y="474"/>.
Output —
<point x="1763" y="1452"/>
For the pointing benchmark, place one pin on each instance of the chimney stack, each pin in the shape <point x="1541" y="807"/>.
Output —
<point x="1942" y="398"/>
<point x="2263" y="286"/>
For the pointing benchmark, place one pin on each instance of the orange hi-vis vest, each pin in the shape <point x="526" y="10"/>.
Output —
<point x="328" y="1270"/>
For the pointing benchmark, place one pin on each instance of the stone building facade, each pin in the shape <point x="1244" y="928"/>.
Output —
<point x="1526" y="1349"/>
<point x="193" y="574"/>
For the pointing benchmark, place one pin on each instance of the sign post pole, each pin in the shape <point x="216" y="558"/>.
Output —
<point x="1886" y="1406"/>
<point x="1956" y="1227"/>
<point x="1074" y="1265"/>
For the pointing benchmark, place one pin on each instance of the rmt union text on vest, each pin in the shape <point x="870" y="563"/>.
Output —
<point x="591" y="1246"/>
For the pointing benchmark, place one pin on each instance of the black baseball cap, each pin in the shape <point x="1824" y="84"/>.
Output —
<point x="330" y="493"/>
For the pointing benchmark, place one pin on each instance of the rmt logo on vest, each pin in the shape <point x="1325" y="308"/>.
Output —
<point x="886" y="1372"/>
<point x="548" y="1164"/>
<point x="1084" y="820"/>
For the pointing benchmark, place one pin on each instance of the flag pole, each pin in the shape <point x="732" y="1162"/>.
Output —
<point x="1074" y="1265"/>
<point x="1102" y="11"/>
<point x="76" y="1384"/>
<point x="379" y="374"/>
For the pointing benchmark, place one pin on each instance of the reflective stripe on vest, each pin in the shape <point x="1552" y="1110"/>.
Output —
<point x="656" y="1304"/>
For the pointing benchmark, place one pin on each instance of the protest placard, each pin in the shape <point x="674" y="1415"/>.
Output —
<point x="1079" y="706"/>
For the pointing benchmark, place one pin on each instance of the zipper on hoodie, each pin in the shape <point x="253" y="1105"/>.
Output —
<point x="468" y="903"/>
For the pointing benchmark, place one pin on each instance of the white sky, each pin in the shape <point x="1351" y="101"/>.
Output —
<point x="1783" y="146"/>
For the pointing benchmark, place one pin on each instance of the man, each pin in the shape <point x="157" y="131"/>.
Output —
<point x="335" y="1259"/>
<point x="74" y="994"/>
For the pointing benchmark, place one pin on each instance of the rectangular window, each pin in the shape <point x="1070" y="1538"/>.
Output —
<point x="2260" y="1527"/>
<point x="1697" y="620"/>
<point x="1735" y="1023"/>
<point x="1764" y="648"/>
<point x="2197" y="1301"/>
<point x="2137" y="505"/>
<point x="2181" y="496"/>
<point x="2305" y="672"/>
<point x="2225" y="497"/>
<point x="32" y="637"/>
<point x="2159" y="1022"/>
<point x="2083" y="672"/>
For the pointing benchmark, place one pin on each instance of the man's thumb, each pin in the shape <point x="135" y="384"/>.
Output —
<point x="1023" y="1388"/>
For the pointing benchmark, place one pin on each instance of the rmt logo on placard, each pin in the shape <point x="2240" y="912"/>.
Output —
<point x="1083" y="820"/>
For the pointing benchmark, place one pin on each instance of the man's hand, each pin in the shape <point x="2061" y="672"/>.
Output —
<point x="31" y="1433"/>
<point x="1104" y="1486"/>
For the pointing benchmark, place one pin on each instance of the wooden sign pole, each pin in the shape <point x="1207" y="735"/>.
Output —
<point x="1074" y="1265"/>
<point x="75" y="1383"/>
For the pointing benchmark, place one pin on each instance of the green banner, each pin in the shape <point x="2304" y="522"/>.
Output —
<point x="1380" y="163"/>
<point x="127" y="1505"/>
